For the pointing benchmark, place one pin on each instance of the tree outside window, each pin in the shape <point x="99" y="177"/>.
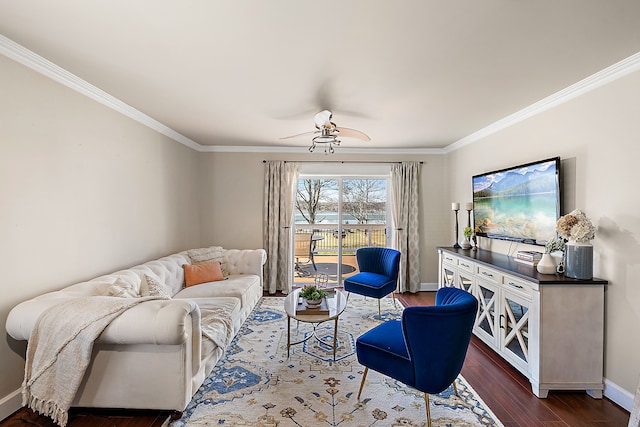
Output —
<point x="365" y="200"/>
<point x="315" y="196"/>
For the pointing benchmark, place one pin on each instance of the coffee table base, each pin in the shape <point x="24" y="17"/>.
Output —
<point x="334" y="345"/>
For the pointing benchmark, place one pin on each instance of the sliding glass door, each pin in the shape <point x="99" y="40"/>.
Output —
<point x="334" y="217"/>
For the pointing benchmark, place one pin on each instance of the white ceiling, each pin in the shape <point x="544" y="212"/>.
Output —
<point x="412" y="74"/>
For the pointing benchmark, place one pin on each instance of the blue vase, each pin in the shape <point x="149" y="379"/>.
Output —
<point x="578" y="260"/>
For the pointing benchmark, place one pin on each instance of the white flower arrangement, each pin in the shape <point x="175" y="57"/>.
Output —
<point x="576" y="227"/>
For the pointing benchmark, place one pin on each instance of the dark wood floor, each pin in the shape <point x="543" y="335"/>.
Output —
<point x="503" y="389"/>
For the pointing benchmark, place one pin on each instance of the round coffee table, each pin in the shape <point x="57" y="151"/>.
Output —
<point x="336" y="303"/>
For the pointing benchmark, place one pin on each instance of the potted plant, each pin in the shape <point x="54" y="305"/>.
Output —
<point x="468" y="232"/>
<point x="313" y="295"/>
<point x="554" y="245"/>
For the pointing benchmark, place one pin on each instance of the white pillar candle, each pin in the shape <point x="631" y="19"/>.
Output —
<point x="455" y="206"/>
<point x="469" y="206"/>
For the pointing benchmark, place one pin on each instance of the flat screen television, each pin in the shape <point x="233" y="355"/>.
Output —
<point x="521" y="203"/>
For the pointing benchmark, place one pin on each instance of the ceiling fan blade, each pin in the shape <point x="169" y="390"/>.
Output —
<point x="352" y="133"/>
<point x="300" y="134"/>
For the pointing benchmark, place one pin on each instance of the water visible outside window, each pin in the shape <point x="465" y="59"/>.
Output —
<point x="335" y="217"/>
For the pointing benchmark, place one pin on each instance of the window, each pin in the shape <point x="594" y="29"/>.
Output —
<point x="335" y="215"/>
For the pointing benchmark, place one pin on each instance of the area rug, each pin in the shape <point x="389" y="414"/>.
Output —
<point x="255" y="384"/>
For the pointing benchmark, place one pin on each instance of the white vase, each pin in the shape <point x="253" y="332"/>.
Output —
<point x="578" y="260"/>
<point x="465" y="244"/>
<point x="546" y="265"/>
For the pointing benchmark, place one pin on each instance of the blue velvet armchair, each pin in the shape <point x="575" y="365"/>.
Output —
<point x="426" y="349"/>
<point x="378" y="274"/>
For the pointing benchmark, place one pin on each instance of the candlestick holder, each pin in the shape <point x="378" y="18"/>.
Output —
<point x="455" y="241"/>
<point x="468" y="217"/>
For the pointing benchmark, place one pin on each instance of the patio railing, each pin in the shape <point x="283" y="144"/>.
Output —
<point x="327" y="238"/>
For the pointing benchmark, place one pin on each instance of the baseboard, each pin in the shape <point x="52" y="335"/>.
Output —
<point x="10" y="404"/>
<point x="426" y="287"/>
<point x="618" y="395"/>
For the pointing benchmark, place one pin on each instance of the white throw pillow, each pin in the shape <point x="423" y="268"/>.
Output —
<point x="214" y="253"/>
<point x="155" y="288"/>
<point x="122" y="289"/>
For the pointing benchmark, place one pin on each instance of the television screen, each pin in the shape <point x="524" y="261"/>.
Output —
<point x="521" y="203"/>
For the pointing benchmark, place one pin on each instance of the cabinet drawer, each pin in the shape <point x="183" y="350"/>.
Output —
<point x="450" y="259"/>
<point x="517" y="285"/>
<point x="469" y="266"/>
<point x="489" y="274"/>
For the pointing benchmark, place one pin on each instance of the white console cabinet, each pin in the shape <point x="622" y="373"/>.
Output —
<point x="549" y="327"/>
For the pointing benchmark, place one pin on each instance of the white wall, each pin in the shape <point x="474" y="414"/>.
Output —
<point x="83" y="191"/>
<point x="598" y="137"/>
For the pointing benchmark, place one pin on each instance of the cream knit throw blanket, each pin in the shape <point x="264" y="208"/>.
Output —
<point x="59" y="351"/>
<point x="216" y="325"/>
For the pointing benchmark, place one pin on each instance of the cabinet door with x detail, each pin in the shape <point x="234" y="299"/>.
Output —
<point x="514" y="328"/>
<point x="486" y="325"/>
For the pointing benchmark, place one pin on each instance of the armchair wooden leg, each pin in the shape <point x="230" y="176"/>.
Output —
<point x="379" y="315"/>
<point x="393" y="297"/>
<point x="455" y="388"/>
<point x="426" y="402"/>
<point x="364" y="376"/>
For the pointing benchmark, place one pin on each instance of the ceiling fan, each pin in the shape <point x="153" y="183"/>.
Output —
<point x="327" y="132"/>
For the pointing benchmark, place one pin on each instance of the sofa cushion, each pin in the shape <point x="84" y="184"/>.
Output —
<point x="214" y="253"/>
<point x="202" y="273"/>
<point x="244" y="287"/>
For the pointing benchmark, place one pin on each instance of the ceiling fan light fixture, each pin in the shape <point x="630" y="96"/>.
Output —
<point x="327" y="133"/>
<point x="327" y="140"/>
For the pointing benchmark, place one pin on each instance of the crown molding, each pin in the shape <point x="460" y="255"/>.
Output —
<point x="24" y="56"/>
<point x="298" y="150"/>
<point x="601" y="78"/>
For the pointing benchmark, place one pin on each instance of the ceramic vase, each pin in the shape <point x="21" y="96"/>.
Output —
<point x="578" y="261"/>
<point x="546" y="265"/>
<point x="465" y="244"/>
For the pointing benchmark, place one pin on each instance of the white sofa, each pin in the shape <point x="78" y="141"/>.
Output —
<point x="153" y="356"/>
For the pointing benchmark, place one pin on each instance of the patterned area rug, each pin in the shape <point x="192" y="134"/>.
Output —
<point x="255" y="384"/>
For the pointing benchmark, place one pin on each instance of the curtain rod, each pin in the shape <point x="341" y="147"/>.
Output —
<point x="338" y="161"/>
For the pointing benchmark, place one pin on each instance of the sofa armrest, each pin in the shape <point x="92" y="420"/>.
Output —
<point x="22" y="318"/>
<point x="246" y="261"/>
<point x="150" y="322"/>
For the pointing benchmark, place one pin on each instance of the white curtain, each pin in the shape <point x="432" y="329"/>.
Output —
<point x="405" y="177"/>
<point x="280" y="180"/>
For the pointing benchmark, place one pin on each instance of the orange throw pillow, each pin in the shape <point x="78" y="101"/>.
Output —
<point x="202" y="273"/>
